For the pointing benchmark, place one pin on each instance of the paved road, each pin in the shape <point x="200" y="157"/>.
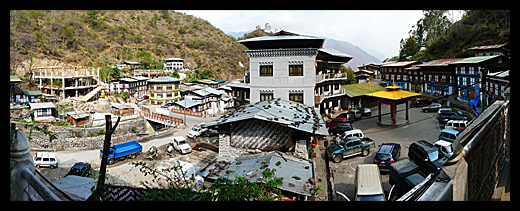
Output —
<point x="422" y="126"/>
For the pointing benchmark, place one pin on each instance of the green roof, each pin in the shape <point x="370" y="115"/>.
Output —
<point x="474" y="60"/>
<point x="354" y="90"/>
<point x="219" y="80"/>
<point x="32" y="93"/>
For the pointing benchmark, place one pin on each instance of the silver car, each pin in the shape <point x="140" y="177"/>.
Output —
<point x="432" y="107"/>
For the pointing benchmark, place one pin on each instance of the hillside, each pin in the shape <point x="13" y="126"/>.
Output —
<point x="477" y="27"/>
<point x="360" y="56"/>
<point x="101" y="38"/>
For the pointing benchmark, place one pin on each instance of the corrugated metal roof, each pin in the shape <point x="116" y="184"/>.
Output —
<point x="439" y="62"/>
<point x="292" y="114"/>
<point x="296" y="172"/>
<point x="354" y="90"/>
<point x="485" y="47"/>
<point x="398" y="64"/>
<point x="334" y="52"/>
<point x="474" y="60"/>
<point x="164" y="79"/>
<point x="189" y="103"/>
<point x="281" y="37"/>
<point x="34" y="106"/>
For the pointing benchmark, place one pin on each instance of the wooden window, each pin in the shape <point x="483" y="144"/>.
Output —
<point x="266" y="70"/>
<point x="264" y="96"/>
<point x="296" y="97"/>
<point x="296" y="70"/>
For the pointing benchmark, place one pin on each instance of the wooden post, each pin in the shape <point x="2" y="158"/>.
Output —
<point x="393" y="113"/>
<point x="406" y="110"/>
<point x="106" y="150"/>
<point x="379" y="111"/>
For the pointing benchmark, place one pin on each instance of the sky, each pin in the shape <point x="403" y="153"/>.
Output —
<point x="379" y="30"/>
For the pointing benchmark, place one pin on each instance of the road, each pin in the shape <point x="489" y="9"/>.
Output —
<point x="123" y="173"/>
<point x="422" y="126"/>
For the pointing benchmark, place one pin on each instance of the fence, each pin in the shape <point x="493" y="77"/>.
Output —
<point x="485" y="150"/>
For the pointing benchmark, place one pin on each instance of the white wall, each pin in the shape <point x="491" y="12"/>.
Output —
<point x="281" y="83"/>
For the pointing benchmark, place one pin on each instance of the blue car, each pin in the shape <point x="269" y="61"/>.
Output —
<point x="387" y="154"/>
<point x="448" y="135"/>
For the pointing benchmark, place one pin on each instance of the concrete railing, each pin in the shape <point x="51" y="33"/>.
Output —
<point x="24" y="184"/>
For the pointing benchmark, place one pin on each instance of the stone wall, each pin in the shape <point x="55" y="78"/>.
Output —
<point x="80" y="138"/>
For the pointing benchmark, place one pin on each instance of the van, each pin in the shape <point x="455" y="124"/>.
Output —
<point x="448" y="135"/>
<point x="47" y="159"/>
<point x="367" y="184"/>
<point x="452" y="124"/>
<point x="350" y="133"/>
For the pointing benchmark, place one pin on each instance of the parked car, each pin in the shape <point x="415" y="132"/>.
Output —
<point x="404" y="175"/>
<point x="460" y="116"/>
<point x="348" y="116"/>
<point x="432" y="107"/>
<point x="448" y="135"/>
<point x="426" y="156"/>
<point x="167" y="105"/>
<point x="45" y="159"/>
<point x="366" y="112"/>
<point x="336" y="121"/>
<point x="445" y="148"/>
<point x="350" y="133"/>
<point x="444" y="112"/>
<point x="452" y="124"/>
<point x="81" y="169"/>
<point x="355" y="113"/>
<point x="387" y="154"/>
<point x="179" y="143"/>
<point x="340" y="129"/>
<point x="349" y="147"/>
<point x="419" y="102"/>
<point x="196" y="131"/>
<point x="368" y="185"/>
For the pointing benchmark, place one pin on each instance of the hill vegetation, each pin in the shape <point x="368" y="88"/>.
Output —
<point x="446" y="40"/>
<point x="104" y="38"/>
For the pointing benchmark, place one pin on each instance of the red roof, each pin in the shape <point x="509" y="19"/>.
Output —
<point x="439" y="62"/>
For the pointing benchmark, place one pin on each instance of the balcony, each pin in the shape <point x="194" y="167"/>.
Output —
<point x="330" y="76"/>
<point x="335" y="93"/>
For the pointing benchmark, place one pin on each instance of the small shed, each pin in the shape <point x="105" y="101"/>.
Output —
<point x="77" y="118"/>
<point x="121" y="110"/>
<point x="43" y="111"/>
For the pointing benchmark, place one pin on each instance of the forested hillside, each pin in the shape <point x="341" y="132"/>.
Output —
<point x="103" y="38"/>
<point x="477" y="27"/>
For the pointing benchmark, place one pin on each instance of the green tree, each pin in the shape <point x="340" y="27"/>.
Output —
<point x="351" y="77"/>
<point x="408" y="47"/>
<point x="174" y="185"/>
<point x="115" y="74"/>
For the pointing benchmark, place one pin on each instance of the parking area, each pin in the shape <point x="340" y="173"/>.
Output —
<point x="422" y="126"/>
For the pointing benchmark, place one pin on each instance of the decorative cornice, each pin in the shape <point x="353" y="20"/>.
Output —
<point x="282" y="52"/>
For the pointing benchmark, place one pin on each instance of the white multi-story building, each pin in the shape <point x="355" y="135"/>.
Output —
<point x="295" y="67"/>
<point x="174" y="64"/>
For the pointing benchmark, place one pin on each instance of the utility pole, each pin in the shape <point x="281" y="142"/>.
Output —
<point x="104" y="159"/>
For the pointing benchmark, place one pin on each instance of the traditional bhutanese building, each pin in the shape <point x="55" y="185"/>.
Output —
<point x="296" y="68"/>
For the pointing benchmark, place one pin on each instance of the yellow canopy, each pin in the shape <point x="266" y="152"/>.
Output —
<point x="393" y="94"/>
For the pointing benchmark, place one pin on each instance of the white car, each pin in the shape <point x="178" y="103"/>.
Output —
<point x="47" y="159"/>
<point x="179" y="143"/>
<point x="445" y="148"/>
<point x="195" y="131"/>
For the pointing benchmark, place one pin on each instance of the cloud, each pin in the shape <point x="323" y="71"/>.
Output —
<point x="380" y="30"/>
